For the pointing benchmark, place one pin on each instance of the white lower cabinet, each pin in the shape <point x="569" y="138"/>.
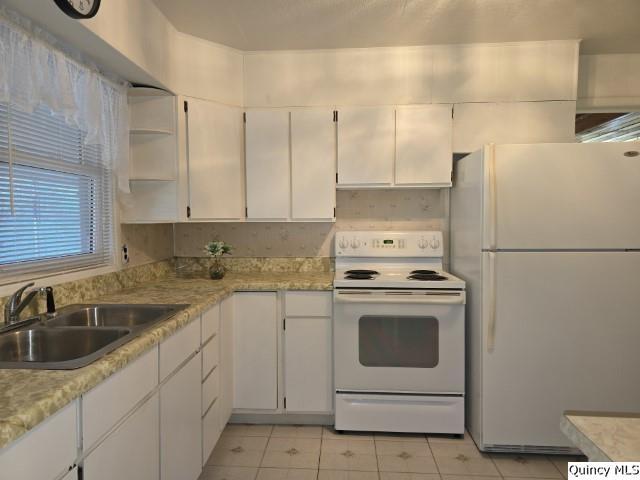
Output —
<point x="45" y="452"/>
<point x="225" y="398"/>
<point x="307" y="365"/>
<point x="308" y="357"/>
<point x="255" y="347"/>
<point x="181" y="423"/>
<point x="210" y="430"/>
<point x="130" y="451"/>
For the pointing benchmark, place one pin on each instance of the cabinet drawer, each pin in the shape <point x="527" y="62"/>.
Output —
<point x="44" y="452"/>
<point x="210" y="431"/>
<point x="103" y="406"/>
<point x="210" y="389"/>
<point x="210" y="356"/>
<point x="210" y="323"/>
<point x="308" y="304"/>
<point x="176" y="349"/>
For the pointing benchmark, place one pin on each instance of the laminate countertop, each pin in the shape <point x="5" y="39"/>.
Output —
<point x="604" y="436"/>
<point x="28" y="397"/>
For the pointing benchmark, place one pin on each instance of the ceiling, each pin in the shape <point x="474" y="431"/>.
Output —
<point x="606" y="26"/>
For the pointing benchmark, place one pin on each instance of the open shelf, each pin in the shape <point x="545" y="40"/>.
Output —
<point x="148" y="92"/>
<point x="152" y="179"/>
<point x="150" y="131"/>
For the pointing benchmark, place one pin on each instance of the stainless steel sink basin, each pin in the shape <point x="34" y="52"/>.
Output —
<point x="112" y="315"/>
<point x="78" y="335"/>
<point x="58" y="348"/>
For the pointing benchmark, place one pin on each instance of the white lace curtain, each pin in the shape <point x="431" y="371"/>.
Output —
<point x="34" y="72"/>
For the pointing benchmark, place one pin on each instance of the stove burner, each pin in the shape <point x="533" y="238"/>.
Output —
<point x="424" y="272"/>
<point x="426" y="277"/>
<point x="359" y="276"/>
<point x="362" y="272"/>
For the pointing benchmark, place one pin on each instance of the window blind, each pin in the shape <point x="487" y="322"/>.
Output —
<point x="55" y="196"/>
<point x="622" y="129"/>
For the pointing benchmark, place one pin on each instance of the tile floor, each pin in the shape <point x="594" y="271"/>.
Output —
<point x="280" y="452"/>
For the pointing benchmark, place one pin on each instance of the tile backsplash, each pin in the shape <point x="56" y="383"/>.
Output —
<point x="411" y="209"/>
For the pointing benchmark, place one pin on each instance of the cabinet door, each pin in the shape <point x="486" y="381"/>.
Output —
<point x="268" y="166"/>
<point x="308" y="364"/>
<point x="366" y="143"/>
<point x="226" y="361"/>
<point x="313" y="163"/>
<point x="424" y="145"/>
<point x="44" y="452"/>
<point x="255" y="350"/>
<point x="475" y="124"/>
<point x="131" y="451"/>
<point x="215" y="161"/>
<point x="181" y="423"/>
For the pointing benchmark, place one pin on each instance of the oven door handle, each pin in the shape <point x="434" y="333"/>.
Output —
<point x="401" y="299"/>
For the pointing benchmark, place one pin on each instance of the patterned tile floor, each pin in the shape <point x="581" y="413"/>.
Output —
<point x="280" y="452"/>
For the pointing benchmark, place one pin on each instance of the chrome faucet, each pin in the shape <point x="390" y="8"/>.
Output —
<point x="16" y="304"/>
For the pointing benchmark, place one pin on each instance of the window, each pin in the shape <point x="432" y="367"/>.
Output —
<point x="623" y="128"/>
<point x="55" y="195"/>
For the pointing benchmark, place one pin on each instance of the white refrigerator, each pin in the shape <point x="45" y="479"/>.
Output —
<point x="547" y="237"/>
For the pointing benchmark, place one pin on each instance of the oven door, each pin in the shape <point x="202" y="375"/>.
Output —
<point x="399" y="341"/>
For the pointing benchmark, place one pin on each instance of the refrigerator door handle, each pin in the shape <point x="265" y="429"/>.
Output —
<point x="493" y="205"/>
<point x="491" y="326"/>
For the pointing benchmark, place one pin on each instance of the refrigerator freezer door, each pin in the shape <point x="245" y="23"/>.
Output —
<point x="561" y="196"/>
<point x="566" y="334"/>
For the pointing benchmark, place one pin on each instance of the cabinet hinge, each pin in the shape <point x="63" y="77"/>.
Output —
<point x="188" y="212"/>
<point x="244" y="117"/>
<point x="284" y="323"/>
<point x="285" y="402"/>
<point x="186" y="106"/>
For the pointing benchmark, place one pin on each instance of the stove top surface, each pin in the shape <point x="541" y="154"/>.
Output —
<point x="396" y="276"/>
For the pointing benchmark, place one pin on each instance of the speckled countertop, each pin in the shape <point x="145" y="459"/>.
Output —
<point x="27" y="397"/>
<point x="604" y="436"/>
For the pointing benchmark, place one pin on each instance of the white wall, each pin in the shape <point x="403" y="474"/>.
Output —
<point x="531" y="71"/>
<point x="136" y="41"/>
<point x="609" y="83"/>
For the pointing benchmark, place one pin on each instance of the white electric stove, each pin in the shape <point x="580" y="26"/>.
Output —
<point x="398" y="334"/>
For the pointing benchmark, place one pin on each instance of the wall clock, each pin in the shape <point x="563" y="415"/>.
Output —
<point x="81" y="9"/>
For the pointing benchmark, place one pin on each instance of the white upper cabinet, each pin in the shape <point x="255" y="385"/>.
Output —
<point x="424" y="145"/>
<point x="214" y="161"/>
<point x="268" y="164"/>
<point x="366" y="144"/>
<point x="313" y="163"/>
<point x="290" y="158"/>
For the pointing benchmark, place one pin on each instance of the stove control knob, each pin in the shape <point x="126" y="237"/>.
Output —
<point x="343" y="243"/>
<point x="422" y="243"/>
<point x="355" y="243"/>
<point x="434" y="243"/>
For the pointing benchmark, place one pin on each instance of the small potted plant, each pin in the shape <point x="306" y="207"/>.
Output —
<point x="216" y="249"/>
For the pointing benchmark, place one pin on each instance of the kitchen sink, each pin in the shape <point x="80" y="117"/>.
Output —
<point x="52" y="348"/>
<point x="78" y="335"/>
<point x="112" y="315"/>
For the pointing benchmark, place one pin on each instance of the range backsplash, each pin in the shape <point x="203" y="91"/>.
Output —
<point x="419" y="209"/>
